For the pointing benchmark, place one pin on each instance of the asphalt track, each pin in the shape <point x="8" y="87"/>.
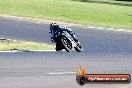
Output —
<point x="103" y="52"/>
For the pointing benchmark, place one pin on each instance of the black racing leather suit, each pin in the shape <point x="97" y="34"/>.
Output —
<point x="56" y="28"/>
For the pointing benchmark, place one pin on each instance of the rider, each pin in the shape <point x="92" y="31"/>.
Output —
<point x="55" y="28"/>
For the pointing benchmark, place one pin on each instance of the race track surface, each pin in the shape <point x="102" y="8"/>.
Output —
<point x="103" y="52"/>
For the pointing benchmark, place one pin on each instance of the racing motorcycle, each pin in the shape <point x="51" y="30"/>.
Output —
<point x="65" y="41"/>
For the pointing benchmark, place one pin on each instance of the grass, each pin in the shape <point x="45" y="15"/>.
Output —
<point x="116" y="2"/>
<point x="8" y="45"/>
<point x="86" y="13"/>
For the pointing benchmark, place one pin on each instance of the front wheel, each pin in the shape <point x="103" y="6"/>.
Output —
<point x="67" y="45"/>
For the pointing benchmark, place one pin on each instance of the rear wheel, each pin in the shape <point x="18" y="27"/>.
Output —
<point x="67" y="45"/>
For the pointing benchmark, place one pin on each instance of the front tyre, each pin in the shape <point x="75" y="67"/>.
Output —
<point x="67" y="45"/>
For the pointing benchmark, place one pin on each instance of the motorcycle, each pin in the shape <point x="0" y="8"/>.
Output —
<point x="65" y="41"/>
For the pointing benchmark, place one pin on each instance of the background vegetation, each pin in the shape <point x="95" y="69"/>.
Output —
<point x="72" y="11"/>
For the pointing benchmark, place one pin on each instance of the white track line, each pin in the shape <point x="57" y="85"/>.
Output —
<point x="27" y="51"/>
<point x="61" y="73"/>
<point x="109" y="29"/>
<point x="43" y="50"/>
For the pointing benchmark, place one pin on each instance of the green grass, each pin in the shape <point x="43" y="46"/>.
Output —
<point x="93" y="14"/>
<point x="116" y="2"/>
<point x="7" y="45"/>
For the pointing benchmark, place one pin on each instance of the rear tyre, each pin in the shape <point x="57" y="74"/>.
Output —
<point x="67" y="45"/>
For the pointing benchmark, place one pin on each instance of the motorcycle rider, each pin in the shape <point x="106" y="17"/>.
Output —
<point x="54" y="28"/>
